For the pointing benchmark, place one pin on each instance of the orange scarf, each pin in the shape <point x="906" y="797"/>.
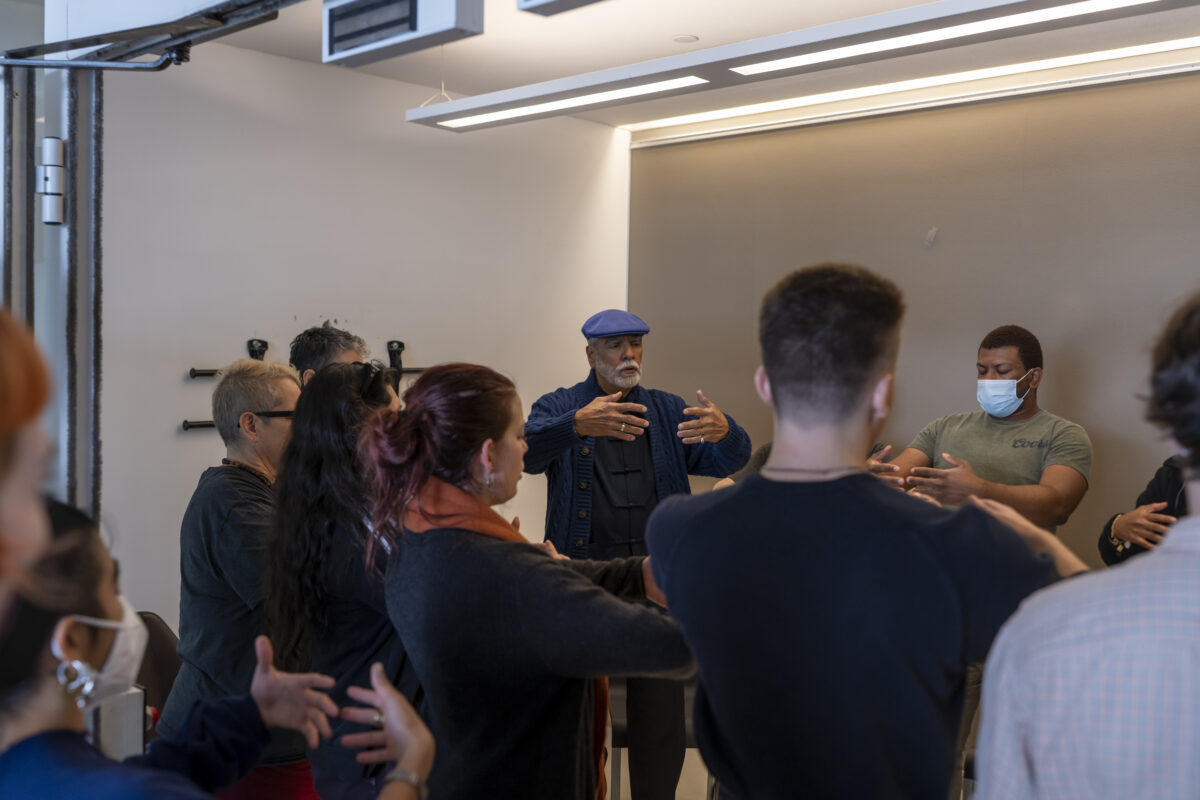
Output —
<point x="444" y="505"/>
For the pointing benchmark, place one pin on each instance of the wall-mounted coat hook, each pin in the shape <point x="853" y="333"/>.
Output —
<point x="188" y="424"/>
<point x="202" y="373"/>
<point x="257" y="348"/>
<point x="395" y="349"/>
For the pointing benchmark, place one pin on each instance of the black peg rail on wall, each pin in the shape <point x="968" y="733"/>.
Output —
<point x="257" y="348"/>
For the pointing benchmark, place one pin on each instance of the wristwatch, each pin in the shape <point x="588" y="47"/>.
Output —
<point x="409" y="777"/>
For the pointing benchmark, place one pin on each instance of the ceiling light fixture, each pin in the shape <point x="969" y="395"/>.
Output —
<point x="573" y="102"/>
<point x="906" y="31"/>
<point x="940" y="35"/>
<point x="917" y="84"/>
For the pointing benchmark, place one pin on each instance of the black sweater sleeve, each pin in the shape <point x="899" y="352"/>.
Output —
<point x="1164" y="487"/>
<point x="621" y="577"/>
<point x="576" y="628"/>
<point x="217" y="743"/>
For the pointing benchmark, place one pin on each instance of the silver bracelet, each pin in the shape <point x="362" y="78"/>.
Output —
<point x="409" y="777"/>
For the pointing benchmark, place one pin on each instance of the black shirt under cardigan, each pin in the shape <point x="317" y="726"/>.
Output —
<point x="506" y="640"/>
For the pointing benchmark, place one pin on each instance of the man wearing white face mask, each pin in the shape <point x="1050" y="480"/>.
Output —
<point x="1011" y="451"/>
<point x="89" y="648"/>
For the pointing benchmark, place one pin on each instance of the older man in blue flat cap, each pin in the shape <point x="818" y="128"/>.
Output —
<point x="612" y="450"/>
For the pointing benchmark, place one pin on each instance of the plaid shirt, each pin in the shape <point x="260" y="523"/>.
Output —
<point x="1092" y="689"/>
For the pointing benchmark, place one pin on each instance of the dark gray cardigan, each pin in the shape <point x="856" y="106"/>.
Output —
<point x="505" y="639"/>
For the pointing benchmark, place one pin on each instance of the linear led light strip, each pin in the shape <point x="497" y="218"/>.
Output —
<point x="574" y="102"/>
<point x="918" y="83"/>
<point x="939" y="35"/>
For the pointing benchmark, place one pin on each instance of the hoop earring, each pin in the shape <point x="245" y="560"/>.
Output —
<point x="77" y="679"/>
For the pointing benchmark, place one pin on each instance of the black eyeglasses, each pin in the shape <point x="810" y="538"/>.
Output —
<point x="274" y="414"/>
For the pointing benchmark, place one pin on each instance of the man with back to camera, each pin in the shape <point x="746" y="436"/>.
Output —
<point x="1011" y="451"/>
<point x="221" y="541"/>
<point x="324" y="344"/>
<point x="1092" y="688"/>
<point x="832" y="618"/>
<point x="612" y="450"/>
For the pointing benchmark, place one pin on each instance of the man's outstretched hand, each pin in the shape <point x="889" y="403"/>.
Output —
<point x="291" y="700"/>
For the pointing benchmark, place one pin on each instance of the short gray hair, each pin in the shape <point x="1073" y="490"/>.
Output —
<point x="247" y="385"/>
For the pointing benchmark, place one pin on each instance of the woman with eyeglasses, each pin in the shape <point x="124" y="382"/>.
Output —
<point x="88" y="647"/>
<point x="326" y="610"/>
<point x="510" y="643"/>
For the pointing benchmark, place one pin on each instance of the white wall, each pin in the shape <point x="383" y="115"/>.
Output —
<point x="71" y="19"/>
<point x="248" y="195"/>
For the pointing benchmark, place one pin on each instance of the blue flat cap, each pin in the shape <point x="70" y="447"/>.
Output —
<point x="614" y="322"/>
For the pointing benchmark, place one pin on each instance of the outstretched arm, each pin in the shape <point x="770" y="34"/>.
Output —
<point x="1049" y="502"/>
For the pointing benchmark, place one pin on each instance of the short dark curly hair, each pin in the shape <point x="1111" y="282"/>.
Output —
<point x="1029" y="349"/>
<point x="1175" y="379"/>
<point x="823" y="331"/>
<point x="321" y="344"/>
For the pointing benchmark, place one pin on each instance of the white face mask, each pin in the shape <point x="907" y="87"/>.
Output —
<point x="999" y="398"/>
<point x="120" y="670"/>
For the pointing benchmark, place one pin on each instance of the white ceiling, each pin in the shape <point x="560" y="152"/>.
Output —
<point x="519" y="48"/>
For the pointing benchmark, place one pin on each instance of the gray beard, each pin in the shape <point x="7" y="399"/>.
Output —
<point x="618" y="380"/>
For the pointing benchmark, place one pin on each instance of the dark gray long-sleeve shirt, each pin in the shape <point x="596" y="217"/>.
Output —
<point x="505" y="640"/>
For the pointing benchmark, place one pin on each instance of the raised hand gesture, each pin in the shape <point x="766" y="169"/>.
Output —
<point x="608" y="416"/>
<point x="709" y="425"/>
<point x="291" y="700"/>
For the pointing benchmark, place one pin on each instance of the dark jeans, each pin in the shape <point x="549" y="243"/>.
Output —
<point x="657" y="738"/>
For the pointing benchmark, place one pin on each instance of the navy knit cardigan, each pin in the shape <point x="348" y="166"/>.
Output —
<point x="569" y="460"/>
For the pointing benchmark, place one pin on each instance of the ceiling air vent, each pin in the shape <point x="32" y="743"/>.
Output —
<point x="549" y="7"/>
<point x="363" y="31"/>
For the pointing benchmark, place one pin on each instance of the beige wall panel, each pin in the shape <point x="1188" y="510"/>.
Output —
<point x="1072" y="214"/>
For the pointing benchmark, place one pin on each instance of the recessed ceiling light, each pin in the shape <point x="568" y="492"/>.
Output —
<point x="686" y="38"/>
<point x="573" y="102"/>
<point x="940" y="35"/>
<point x="918" y="83"/>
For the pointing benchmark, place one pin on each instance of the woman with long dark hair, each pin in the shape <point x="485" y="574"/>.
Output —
<point x="511" y="644"/>
<point x="326" y="610"/>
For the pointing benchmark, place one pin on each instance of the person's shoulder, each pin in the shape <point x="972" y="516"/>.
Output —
<point x="566" y="391"/>
<point x="227" y="482"/>
<point x="63" y="764"/>
<point x="1060" y="425"/>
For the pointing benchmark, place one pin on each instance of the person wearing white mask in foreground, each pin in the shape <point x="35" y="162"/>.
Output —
<point x="1011" y="451"/>
<point x="91" y="647"/>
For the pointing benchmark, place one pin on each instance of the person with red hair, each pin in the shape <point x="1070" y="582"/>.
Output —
<point x="24" y="451"/>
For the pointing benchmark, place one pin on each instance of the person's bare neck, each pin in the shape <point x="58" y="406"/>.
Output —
<point x="817" y="452"/>
<point x="47" y="709"/>
<point x="251" y="459"/>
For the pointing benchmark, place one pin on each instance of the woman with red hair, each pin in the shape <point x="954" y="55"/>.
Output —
<point x="24" y="450"/>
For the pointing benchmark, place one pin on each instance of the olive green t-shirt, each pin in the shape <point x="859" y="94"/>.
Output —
<point x="1001" y="451"/>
